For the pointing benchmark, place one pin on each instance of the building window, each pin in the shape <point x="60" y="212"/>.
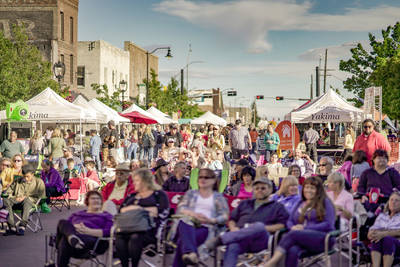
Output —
<point x="105" y="76"/>
<point x="81" y="76"/>
<point x="207" y="95"/>
<point x="71" y="69"/>
<point x="71" y="29"/>
<point x="62" y="60"/>
<point x="62" y="25"/>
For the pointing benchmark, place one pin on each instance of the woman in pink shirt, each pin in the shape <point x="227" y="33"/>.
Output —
<point x="244" y="188"/>
<point x="343" y="200"/>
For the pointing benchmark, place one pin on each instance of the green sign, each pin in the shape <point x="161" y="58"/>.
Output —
<point x="17" y="111"/>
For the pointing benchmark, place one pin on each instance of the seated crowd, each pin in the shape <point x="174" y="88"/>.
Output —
<point x="301" y="198"/>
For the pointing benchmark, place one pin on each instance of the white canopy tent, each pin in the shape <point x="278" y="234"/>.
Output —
<point x="134" y="107"/>
<point x="82" y="102"/>
<point x="159" y="114"/>
<point x="209" y="117"/>
<point x="107" y="111"/>
<point x="330" y="107"/>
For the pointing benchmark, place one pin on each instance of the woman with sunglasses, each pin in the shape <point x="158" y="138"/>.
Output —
<point x="202" y="211"/>
<point x="7" y="175"/>
<point x="312" y="219"/>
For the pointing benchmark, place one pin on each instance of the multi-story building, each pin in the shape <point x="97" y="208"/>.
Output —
<point x="138" y="68"/>
<point x="102" y="63"/>
<point x="51" y="25"/>
<point x="208" y="100"/>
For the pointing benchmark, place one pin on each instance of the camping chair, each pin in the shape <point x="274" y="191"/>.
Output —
<point x="62" y="200"/>
<point x="194" y="177"/>
<point x="34" y="221"/>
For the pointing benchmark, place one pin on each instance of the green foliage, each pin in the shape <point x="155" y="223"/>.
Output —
<point x="23" y="71"/>
<point x="387" y="75"/>
<point x="254" y="109"/>
<point x="363" y="63"/>
<point x="169" y="99"/>
<point x="113" y="100"/>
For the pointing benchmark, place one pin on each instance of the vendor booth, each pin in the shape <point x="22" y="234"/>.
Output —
<point x="83" y="103"/>
<point x="134" y="107"/>
<point x="109" y="112"/>
<point x="165" y="119"/>
<point x="209" y="117"/>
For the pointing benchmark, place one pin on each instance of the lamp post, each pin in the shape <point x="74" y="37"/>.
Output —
<point x="147" y="68"/>
<point x="122" y="87"/>
<point x="59" y="71"/>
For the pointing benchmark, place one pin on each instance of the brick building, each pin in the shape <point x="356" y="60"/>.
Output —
<point x="137" y="69"/>
<point x="52" y="25"/>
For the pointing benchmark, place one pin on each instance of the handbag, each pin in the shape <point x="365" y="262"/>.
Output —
<point x="132" y="221"/>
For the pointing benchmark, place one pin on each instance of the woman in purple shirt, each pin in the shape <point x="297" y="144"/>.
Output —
<point x="385" y="232"/>
<point x="313" y="217"/>
<point x="52" y="179"/>
<point x="77" y="235"/>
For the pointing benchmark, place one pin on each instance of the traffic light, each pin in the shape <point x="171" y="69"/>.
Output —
<point x="232" y="93"/>
<point x="259" y="97"/>
<point x="279" y="98"/>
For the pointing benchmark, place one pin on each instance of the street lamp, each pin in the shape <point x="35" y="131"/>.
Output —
<point x="147" y="68"/>
<point x="59" y="71"/>
<point x="122" y="87"/>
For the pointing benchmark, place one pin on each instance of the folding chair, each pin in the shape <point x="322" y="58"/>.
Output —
<point x="34" y="221"/>
<point x="62" y="200"/>
<point x="352" y="238"/>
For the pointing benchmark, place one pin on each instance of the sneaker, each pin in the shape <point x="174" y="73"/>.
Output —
<point x="21" y="231"/>
<point x="75" y="242"/>
<point x="190" y="258"/>
<point x="11" y="231"/>
<point x="45" y="208"/>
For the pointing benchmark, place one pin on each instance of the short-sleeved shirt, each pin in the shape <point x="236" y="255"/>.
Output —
<point x="10" y="149"/>
<point x="310" y="136"/>
<point x="238" y="138"/>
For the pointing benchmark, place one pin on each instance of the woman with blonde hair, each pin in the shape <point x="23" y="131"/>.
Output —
<point x="56" y="145"/>
<point x="7" y="175"/>
<point x="262" y="171"/>
<point x="36" y="144"/>
<point x="147" y="197"/>
<point x="288" y="193"/>
<point x="148" y="142"/>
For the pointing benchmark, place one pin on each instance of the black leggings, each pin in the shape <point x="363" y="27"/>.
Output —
<point x="130" y="246"/>
<point x="51" y="191"/>
<point x="66" y="252"/>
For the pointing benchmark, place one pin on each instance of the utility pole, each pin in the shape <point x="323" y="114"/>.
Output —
<point x="187" y="70"/>
<point x="326" y="61"/>
<point x="255" y="110"/>
<point x="182" y="81"/>
<point x="317" y="89"/>
<point x="311" y="88"/>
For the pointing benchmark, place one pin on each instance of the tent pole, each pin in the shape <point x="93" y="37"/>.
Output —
<point x="293" y="139"/>
<point x="80" y="137"/>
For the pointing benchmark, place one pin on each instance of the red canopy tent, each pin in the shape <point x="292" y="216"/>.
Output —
<point x="136" y="117"/>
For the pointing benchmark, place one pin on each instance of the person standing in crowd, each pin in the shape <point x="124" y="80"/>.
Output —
<point x="48" y="134"/>
<point x="310" y="138"/>
<point x="174" y="135"/>
<point x="177" y="182"/>
<point x="11" y="147"/>
<point x="56" y="145"/>
<point x="36" y="144"/>
<point x="186" y="135"/>
<point x="95" y="146"/>
<point x="148" y="143"/>
<point x="215" y="139"/>
<point x="272" y="141"/>
<point x="260" y="143"/>
<point x="27" y="190"/>
<point x="108" y="137"/>
<point x="239" y="140"/>
<point x="159" y="137"/>
<point x="370" y="140"/>
<point x="253" y="137"/>
<point x="251" y="223"/>
<point x="348" y="142"/>
<point x="62" y="161"/>
<point x="133" y="146"/>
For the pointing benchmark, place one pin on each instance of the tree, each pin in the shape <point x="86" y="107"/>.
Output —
<point x="170" y="99"/>
<point x="387" y="75"/>
<point x="363" y="63"/>
<point x="113" y="100"/>
<point x="254" y="110"/>
<point x="23" y="71"/>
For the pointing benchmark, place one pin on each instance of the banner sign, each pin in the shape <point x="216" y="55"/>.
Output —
<point x="284" y="131"/>
<point x="17" y="111"/>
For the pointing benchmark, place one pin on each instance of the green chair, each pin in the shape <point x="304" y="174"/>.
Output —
<point x="194" y="177"/>
<point x="224" y="180"/>
<point x="34" y="221"/>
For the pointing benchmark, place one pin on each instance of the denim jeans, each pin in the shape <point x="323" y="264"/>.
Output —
<point x="96" y="158"/>
<point x="253" y="238"/>
<point x="132" y="151"/>
<point x="296" y="242"/>
<point x="189" y="239"/>
<point x="146" y="153"/>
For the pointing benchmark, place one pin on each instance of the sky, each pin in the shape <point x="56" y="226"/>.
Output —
<point x="258" y="47"/>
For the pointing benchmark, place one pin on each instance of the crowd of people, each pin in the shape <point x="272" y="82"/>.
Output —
<point x="307" y="195"/>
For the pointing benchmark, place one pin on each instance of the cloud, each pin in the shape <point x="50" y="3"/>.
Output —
<point x="250" y="21"/>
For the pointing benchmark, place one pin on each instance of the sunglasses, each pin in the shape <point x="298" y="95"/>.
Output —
<point x="366" y="126"/>
<point x="206" y="177"/>
<point x="322" y="165"/>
